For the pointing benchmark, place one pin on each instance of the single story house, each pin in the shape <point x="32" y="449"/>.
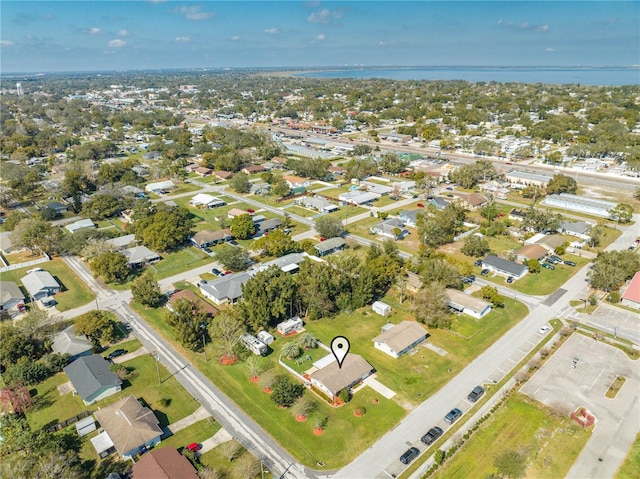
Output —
<point x="223" y="175"/>
<point x="80" y="224"/>
<point x="331" y="379"/>
<point x="138" y="256"/>
<point x="227" y="289"/>
<point x="579" y="229"/>
<point x="291" y="325"/>
<point x="208" y="238"/>
<point x="399" y="339"/>
<point x="329" y="246"/>
<point x="414" y="283"/>
<point x="438" y="202"/>
<point x="530" y="251"/>
<point x="631" y="295"/>
<point x="203" y="171"/>
<point x="163" y="463"/>
<point x="260" y="188"/>
<point x="461" y="302"/>
<point x="233" y="212"/>
<point x="133" y="191"/>
<point x="122" y="241"/>
<point x="131" y="427"/>
<point x="253" y="169"/>
<point x="519" y="179"/>
<point x="92" y="379"/>
<point x="296" y="181"/>
<point x="268" y="225"/>
<point x="6" y="245"/>
<point x="254" y="345"/>
<point x="318" y="204"/>
<point x="191" y="296"/>
<point x="517" y="215"/>
<point x="504" y="267"/>
<point x="391" y="228"/>
<point x="40" y="284"/>
<point x="381" y="190"/>
<point x="203" y="200"/>
<point x="472" y="201"/>
<point x="68" y="342"/>
<point x="338" y="171"/>
<point x="160" y="187"/>
<point x="57" y="207"/>
<point x="289" y="263"/>
<point x="551" y="242"/>
<point x="409" y="217"/>
<point x="357" y="197"/>
<point x="11" y="298"/>
<point x="383" y="309"/>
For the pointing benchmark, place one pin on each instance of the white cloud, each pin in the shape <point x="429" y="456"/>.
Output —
<point x="123" y="33"/>
<point x="381" y="43"/>
<point x="272" y="31"/>
<point x="235" y="38"/>
<point x="195" y="13"/>
<point x="324" y="16"/>
<point x="542" y="28"/>
<point x="320" y="37"/>
<point x="95" y="31"/>
<point x="6" y="43"/>
<point x="549" y="49"/>
<point x="526" y="26"/>
<point x="117" y="43"/>
<point x="183" y="39"/>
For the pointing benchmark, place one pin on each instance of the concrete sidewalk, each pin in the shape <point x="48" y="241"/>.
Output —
<point x="377" y="386"/>
<point x="197" y="415"/>
<point x="218" y="438"/>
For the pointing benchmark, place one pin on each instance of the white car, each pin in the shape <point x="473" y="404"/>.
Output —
<point x="544" y="329"/>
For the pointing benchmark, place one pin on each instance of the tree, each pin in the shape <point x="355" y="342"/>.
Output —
<point x="533" y="265"/>
<point x="308" y="341"/>
<point x="475" y="245"/>
<point x="622" y="213"/>
<point x="489" y="211"/>
<point x="470" y="175"/>
<point x="277" y="244"/>
<point x="13" y="219"/>
<point x="189" y="323"/>
<point x="561" y="184"/>
<point x="37" y="234"/>
<point x="329" y="226"/>
<point x="285" y="392"/>
<point x="102" y="206"/>
<point x="240" y="183"/>
<point x="225" y="330"/>
<point x="613" y="268"/>
<point x="490" y="293"/>
<point x="233" y="258"/>
<point x="164" y="228"/>
<point x="290" y="350"/>
<point x="246" y="466"/>
<point x="243" y="227"/>
<point x="230" y="449"/>
<point x="439" y="270"/>
<point x="304" y="406"/>
<point x="111" y="265"/>
<point x="539" y="220"/>
<point x="97" y="325"/>
<point x="511" y="464"/>
<point x="146" y="290"/>
<point x="430" y="306"/>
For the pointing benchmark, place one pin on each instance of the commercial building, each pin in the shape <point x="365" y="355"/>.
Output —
<point x="580" y="204"/>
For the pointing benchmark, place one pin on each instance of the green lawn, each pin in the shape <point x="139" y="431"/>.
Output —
<point x="169" y="400"/>
<point x="196" y="432"/>
<point x="74" y="292"/>
<point x="297" y="210"/>
<point x="631" y="465"/>
<point x="551" y="443"/>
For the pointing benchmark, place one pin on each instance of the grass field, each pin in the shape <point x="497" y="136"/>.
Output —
<point x="631" y="465"/>
<point x="74" y="292"/>
<point x="550" y="442"/>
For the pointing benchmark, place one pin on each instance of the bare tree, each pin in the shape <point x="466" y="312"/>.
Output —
<point x="247" y="466"/>
<point x="230" y="449"/>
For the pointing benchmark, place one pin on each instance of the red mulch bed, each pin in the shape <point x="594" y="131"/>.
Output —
<point x="227" y="361"/>
<point x="317" y="431"/>
<point x="300" y="418"/>
<point x="254" y="379"/>
<point x="267" y="390"/>
<point x="358" y="413"/>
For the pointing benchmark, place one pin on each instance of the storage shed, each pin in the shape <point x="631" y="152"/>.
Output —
<point x="265" y="337"/>
<point x="383" y="309"/>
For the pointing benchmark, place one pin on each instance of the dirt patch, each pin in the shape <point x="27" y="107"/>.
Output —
<point x="65" y="388"/>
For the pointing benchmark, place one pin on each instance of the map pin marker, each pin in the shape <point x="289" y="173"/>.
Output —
<point x="340" y="347"/>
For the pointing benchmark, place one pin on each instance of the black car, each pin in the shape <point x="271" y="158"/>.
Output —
<point x="431" y="435"/>
<point x="476" y="394"/>
<point x="510" y="279"/>
<point x="217" y="272"/>
<point x="453" y="415"/>
<point x="116" y="353"/>
<point x="409" y="455"/>
<point x="484" y="272"/>
<point x="569" y="263"/>
<point x="478" y="262"/>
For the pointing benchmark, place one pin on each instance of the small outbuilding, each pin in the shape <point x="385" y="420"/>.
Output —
<point x="290" y="326"/>
<point x="383" y="309"/>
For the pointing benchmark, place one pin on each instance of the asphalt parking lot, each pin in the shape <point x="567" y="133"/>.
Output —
<point x="561" y="382"/>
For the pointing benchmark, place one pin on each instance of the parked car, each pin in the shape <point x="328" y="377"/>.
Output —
<point x="453" y="415"/>
<point x="420" y="205"/>
<point x="544" y="329"/>
<point x="116" y="353"/>
<point x="484" y="272"/>
<point x="193" y="447"/>
<point x="510" y="279"/>
<point x="555" y="258"/>
<point x="127" y="326"/>
<point x="475" y="394"/>
<point x="547" y="266"/>
<point x="477" y="262"/>
<point x="570" y="263"/>
<point x="409" y="455"/>
<point x="432" y="435"/>
<point x="468" y="279"/>
<point x="217" y="272"/>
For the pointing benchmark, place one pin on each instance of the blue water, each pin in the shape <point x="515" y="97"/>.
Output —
<point x="555" y="75"/>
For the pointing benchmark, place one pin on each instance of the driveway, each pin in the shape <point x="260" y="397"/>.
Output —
<point x="559" y="384"/>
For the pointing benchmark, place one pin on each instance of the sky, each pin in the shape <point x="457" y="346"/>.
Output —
<point x="58" y="36"/>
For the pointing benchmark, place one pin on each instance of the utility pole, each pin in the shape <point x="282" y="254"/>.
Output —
<point x="204" y="348"/>
<point x="156" y="355"/>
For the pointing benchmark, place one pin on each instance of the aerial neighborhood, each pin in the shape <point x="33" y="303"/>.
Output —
<point x="179" y="251"/>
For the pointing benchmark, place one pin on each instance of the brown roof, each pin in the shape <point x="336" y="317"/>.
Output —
<point x="223" y="175"/>
<point x="532" y="251"/>
<point x="553" y="241"/>
<point x="163" y="463"/>
<point x="336" y="378"/>
<point x="253" y="168"/>
<point x="203" y="171"/>
<point x="191" y="296"/>
<point x="206" y="236"/>
<point x="236" y="212"/>
<point x="128" y="424"/>
<point x="402" y="335"/>
<point x="413" y="281"/>
<point x="474" y="199"/>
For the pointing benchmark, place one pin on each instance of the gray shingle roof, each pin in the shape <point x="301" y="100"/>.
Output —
<point x="505" y="265"/>
<point x="229" y="286"/>
<point x="89" y="374"/>
<point x="36" y="281"/>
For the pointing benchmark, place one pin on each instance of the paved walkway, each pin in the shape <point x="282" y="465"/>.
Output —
<point x="197" y="415"/>
<point x="133" y="354"/>
<point x="218" y="438"/>
<point x="377" y="386"/>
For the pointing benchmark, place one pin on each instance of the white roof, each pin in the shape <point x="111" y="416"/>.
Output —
<point x="102" y="442"/>
<point x="160" y="185"/>
<point x="204" y="199"/>
<point x="78" y="225"/>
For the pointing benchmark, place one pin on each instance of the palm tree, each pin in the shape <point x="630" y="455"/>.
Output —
<point x="308" y="341"/>
<point x="291" y="350"/>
